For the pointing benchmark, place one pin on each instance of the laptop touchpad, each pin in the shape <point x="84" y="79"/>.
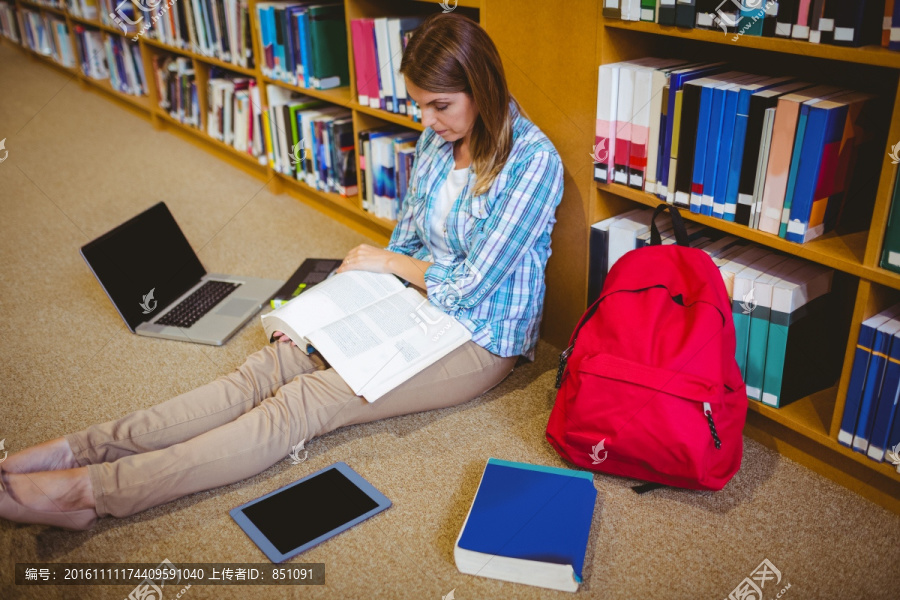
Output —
<point x="236" y="307"/>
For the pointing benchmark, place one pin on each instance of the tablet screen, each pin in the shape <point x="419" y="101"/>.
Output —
<point x="309" y="509"/>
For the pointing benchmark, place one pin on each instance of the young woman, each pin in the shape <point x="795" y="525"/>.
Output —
<point x="474" y="234"/>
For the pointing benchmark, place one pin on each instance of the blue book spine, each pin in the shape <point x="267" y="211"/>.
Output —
<point x="887" y="404"/>
<point x="893" y="443"/>
<point x="874" y="378"/>
<point x="306" y="48"/>
<point x="703" y="125"/>
<point x="663" y="152"/>
<point x="823" y="127"/>
<point x="726" y="150"/>
<point x="857" y="383"/>
<point x="799" y="137"/>
<point x="712" y="151"/>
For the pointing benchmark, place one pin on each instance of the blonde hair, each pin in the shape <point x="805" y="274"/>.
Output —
<point x="450" y="53"/>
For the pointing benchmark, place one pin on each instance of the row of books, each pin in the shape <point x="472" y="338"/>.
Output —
<point x="235" y="112"/>
<point x="8" y="25"/>
<point x="779" y="305"/>
<point x="126" y="69"/>
<point x="869" y="423"/>
<point x="91" y="53"/>
<point x="839" y="22"/>
<point x="386" y="160"/>
<point x="310" y="140"/>
<point x="176" y="86"/>
<point x="86" y="9"/>
<point x="47" y="34"/>
<point x="214" y="28"/>
<point x="772" y="153"/>
<point x="378" y="46"/>
<point x="304" y="44"/>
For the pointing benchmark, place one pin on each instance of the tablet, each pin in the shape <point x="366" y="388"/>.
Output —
<point x="307" y="512"/>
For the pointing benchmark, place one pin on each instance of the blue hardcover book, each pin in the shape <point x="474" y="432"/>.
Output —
<point x="714" y="140"/>
<point x="726" y="149"/>
<point x="824" y="129"/>
<point x="874" y="379"/>
<point x="859" y="372"/>
<point x="528" y="524"/>
<point x="278" y="43"/>
<point x="887" y="403"/>
<point x="700" y="147"/>
<point x="677" y="79"/>
<point x="305" y="46"/>
<point x="793" y="172"/>
<point x="893" y="444"/>
<point x="290" y="48"/>
<point x="741" y="120"/>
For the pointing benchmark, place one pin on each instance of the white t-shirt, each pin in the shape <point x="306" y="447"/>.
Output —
<point x="447" y="195"/>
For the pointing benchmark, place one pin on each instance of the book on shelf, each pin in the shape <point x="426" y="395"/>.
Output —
<point x="884" y="408"/>
<point x="528" y="524"/>
<point x="862" y="360"/>
<point x="176" y="87"/>
<point x="890" y="251"/>
<point x="387" y="158"/>
<point x="305" y="44"/>
<point x="377" y="49"/>
<point x="375" y="332"/>
<point x="878" y="363"/>
<point x="745" y="301"/>
<point x="126" y="69"/>
<point x="86" y="9"/>
<point x="233" y="113"/>
<point x="91" y="53"/>
<point x="9" y="26"/>
<point x="803" y="349"/>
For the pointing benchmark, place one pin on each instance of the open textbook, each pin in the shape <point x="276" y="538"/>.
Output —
<point x="375" y="332"/>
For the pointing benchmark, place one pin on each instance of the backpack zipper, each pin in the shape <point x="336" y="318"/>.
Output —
<point x="707" y="410"/>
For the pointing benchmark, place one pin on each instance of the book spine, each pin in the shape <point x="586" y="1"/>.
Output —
<point x="858" y="376"/>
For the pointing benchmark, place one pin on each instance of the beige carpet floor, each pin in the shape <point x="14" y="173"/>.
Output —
<point x="79" y="164"/>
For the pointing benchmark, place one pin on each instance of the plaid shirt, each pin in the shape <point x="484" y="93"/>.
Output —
<point x="493" y="280"/>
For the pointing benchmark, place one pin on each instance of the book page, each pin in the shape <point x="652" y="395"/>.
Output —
<point x="329" y="301"/>
<point x="386" y="343"/>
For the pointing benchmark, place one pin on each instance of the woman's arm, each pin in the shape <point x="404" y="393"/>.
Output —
<point x="377" y="260"/>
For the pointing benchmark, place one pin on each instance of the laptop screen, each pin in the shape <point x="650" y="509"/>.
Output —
<point x="144" y="264"/>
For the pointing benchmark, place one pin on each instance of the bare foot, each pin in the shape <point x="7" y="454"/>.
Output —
<point x="53" y="455"/>
<point x="51" y="491"/>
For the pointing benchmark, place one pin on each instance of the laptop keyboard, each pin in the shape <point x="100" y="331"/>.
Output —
<point x="204" y="299"/>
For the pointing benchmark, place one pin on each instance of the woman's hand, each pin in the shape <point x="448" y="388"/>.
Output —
<point x="283" y="337"/>
<point x="368" y="258"/>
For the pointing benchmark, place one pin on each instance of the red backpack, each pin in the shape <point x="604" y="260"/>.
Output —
<point x="649" y="387"/>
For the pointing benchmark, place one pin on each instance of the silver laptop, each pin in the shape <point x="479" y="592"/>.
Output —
<point x="155" y="280"/>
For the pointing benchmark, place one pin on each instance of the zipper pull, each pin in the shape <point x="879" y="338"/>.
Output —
<point x="707" y="410"/>
<point x="563" y="358"/>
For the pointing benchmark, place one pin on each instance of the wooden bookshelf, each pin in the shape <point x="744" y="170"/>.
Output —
<point x="805" y="430"/>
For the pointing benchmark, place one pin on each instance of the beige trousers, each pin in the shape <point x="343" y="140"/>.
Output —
<point x="244" y="422"/>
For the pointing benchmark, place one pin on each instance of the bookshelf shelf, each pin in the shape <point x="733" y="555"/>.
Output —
<point x="387" y="116"/>
<point x="201" y="57"/>
<point x="339" y="96"/>
<point x="142" y="102"/>
<point x="868" y="55"/>
<point x="842" y="252"/>
<point x="100" y="25"/>
<point x="51" y="9"/>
